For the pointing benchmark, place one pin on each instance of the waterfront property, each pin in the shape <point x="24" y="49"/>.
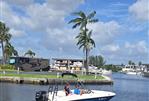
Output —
<point x="29" y="64"/>
<point x="146" y="70"/>
<point x="67" y="64"/>
<point x="133" y="69"/>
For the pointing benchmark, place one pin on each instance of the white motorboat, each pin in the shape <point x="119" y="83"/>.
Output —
<point x="95" y="95"/>
<point x="106" y="72"/>
<point x="146" y="74"/>
<point x="53" y="94"/>
<point x="131" y="73"/>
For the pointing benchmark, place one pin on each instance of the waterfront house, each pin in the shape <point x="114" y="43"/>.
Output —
<point x="30" y="64"/>
<point x="64" y="64"/>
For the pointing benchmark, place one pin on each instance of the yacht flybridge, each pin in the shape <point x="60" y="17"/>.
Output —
<point x="53" y="94"/>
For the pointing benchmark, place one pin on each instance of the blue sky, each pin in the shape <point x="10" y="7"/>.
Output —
<point x="42" y="26"/>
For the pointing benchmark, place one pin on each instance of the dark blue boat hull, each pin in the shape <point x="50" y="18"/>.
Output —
<point x="97" y="99"/>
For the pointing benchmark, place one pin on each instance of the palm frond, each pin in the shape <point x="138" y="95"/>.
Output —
<point x="81" y="45"/>
<point x="89" y="34"/>
<point x="76" y="20"/>
<point x="80" y="41"/>
<point x="80" y="13"/>
<point x="92" y="42"/>
<point x="76" y="25"/>
<point x="83" y="24"/>
<point x="93" y="21"/>
<point x="91" y="15"/>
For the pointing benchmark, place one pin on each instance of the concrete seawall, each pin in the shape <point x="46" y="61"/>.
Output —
<point x="46" y="81"/>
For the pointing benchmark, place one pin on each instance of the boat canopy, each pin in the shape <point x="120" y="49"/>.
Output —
<point x="71" y="74"/>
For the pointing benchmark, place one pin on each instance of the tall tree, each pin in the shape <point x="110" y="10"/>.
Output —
<point x="140" y="63"/>
<point x="97" y="61"/>
<point x="4" y="38"/>
<point x="87" y="43"/>
<point x="30" y="53"/>
<point x="10" y="50"/>
<point x="130" y="62"/>
<point x="84" y="38"/>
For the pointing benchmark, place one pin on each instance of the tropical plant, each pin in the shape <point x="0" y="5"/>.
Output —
<point x="30" y="53"/>
<point x="130" y="62"/>
<point x="111" y="67"/>
<point x="133" y="63"/>
<point x="84" y="38"/>
<point x="140" y="63"/>
<point x="97" y="61"/>
<point x="10" y="50"/>
<point x="4" y="38"/>
<point x="7" y="67"/>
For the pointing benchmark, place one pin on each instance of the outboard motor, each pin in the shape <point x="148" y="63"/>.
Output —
<point x="41" y="96"/>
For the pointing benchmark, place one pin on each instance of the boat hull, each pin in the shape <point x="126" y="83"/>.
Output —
<point x="96" y="99"/>
<point x="146" y="74"/>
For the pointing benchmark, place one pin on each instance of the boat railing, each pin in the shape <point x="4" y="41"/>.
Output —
<point x="53" y="90"/>
<point x="87" y="90"/>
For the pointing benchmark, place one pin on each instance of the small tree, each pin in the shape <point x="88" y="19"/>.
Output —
<point x="130" y="62"/>
<point x="140" y="63"/>
<point x="30" y="53"/>
<point x="97" y="61"/>
<point x="10" y="50"/>
<point x="5" y="37"/>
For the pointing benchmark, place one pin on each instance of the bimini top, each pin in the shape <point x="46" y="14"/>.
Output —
<point x="68" y="73"/>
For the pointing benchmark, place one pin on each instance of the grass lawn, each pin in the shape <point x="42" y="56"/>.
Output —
<point x="82" y="77"/>
<point x="7" y="70"/>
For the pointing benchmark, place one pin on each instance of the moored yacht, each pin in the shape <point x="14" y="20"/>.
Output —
<point x="146" y="74"/>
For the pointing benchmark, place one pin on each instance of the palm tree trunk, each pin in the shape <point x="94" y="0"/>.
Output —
<point x="86" y="62"/>
<point x="3" y="54"/>
<point x="86" y="55"/>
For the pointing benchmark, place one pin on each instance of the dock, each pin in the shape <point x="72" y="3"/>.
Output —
<point x="47" y="81"/>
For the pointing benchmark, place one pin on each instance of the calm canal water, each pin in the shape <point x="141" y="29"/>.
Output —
<point x="127" y="88"/>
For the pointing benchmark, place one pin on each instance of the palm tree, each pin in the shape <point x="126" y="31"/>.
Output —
<point x="97" y="61"/>
<point x="83" y="20"/>
<point x="4" y="38"/>
<point x="84" y="38"/>
<point x="140" y="63"/>
<point x="130" y="62"/>
<point x="30" y="53"/>
<point x="87" y="43"/>
<point x="10" y="50"/>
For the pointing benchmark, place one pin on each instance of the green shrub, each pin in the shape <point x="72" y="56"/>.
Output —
<point x="111" y="67"/>
<point x="7" y="67"/>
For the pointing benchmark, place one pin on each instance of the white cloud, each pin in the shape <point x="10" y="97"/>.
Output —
<point x="138" y="48"/>
<point x="60" y="40"/>
<point x="17" y="33"/>
<point x="140" y="10"/>
<point x="22" y="3"/>
<point x="40" y="21"/>
<point x="46" y="18"/>
<point x="128" y="51"/>
<point x="49" y="14"/>
<point x="9" y="16"/>
<point x="112" y="48"/>
<point x="104" y="32"/>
